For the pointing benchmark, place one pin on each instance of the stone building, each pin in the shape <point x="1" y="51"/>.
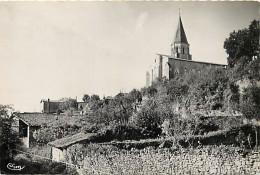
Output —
<point x="49" y="106"/>
<point x="59" y="147"/>
<point x="27" y="125"/>
<point x="52" y="106"/>
<point x="179" y="62"/>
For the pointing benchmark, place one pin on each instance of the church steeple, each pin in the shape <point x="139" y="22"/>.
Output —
<point x="180" y="45"/>
<point x="180" y="36"/>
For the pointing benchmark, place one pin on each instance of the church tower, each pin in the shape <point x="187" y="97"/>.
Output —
<point x="180" y="46"/>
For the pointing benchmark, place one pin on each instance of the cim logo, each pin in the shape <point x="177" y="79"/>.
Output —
<point x="12" y="166"/>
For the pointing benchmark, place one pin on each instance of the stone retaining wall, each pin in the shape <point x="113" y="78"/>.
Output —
<point x="206" y="160"/>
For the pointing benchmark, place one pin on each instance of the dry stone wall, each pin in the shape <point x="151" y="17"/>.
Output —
<point x="207" y="160"/>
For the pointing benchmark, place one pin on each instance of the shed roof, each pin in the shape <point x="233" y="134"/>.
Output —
<point x="67" y="141"/>
<point x="36" y="119"/>
<point x="82" y="102"/>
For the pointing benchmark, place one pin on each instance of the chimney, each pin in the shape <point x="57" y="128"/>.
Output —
<point x="49" y="108"/>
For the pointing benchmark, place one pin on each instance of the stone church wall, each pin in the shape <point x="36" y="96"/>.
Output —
<point x="178" y="66"/>
<point x="168" y="67"/>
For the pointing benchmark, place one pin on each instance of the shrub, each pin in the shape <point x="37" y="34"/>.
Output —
<point x="250" y="102"/>
<point x="149" y="120"/>
<point x="125" y="132"/>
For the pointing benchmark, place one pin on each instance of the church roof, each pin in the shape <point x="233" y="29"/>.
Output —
<point x="172" y="57"/>
<point x="180" y="36"/>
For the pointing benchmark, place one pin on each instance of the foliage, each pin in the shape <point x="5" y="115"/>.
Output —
<point x="152" y="115"/>
<point x="244" y="42"/>
<point x="244" y="70"/>
<point x="67" y="103"/>
<point x="250" y="102"/>
<point x="43" y="150"/>
<point x="86" y="98"/>
<point x="151" y="91"/>
<point x="177" y="90"/>
<point x="118" y="109"/>
<point x="48" y="134"/>
<point x="240" y="138"/>
<point x="135" y="95"/>
<point x="182" y="99"/>
<point x="70" y="111"/>
<point x="8" y="136"/>
<point x="94" y="97"/>
<point x="231" y="97"/>
<point x="124" y="132"/>
<point x="207" y="92"/>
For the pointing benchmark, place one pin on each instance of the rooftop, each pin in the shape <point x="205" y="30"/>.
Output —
<point x="67" y="141"/>
<point x="39" y="119"/>
<point x="180" y="36"/>
<point x="172" y="57"/>
<point x="35" y="119"/>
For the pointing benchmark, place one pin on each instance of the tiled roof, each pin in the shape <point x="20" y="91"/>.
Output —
<point x="37" y="119"/>
<point x="67" y="141"/>
<point x="172" y="57"/>
<point x="54" y="101"/>
<point x="180" y="36"/>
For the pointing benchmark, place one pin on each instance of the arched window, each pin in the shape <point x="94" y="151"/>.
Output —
<point x="183" y="50"/>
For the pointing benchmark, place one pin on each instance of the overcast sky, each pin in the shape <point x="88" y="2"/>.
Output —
<point x="65" y="49"/>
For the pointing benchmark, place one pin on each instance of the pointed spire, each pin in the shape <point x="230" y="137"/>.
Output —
<point x="180" y="36"/>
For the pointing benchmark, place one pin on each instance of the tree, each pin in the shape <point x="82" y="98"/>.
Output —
<point x="135" y="95"/>
<point x="94" y="97"/>
<point x="250" y="102"/>
<point x="250" y="105"/>
<point x="152" y="91"/>
<point x="244" y="42"/>
<point x="149" y="119"/>
<point x="8" y="136"/>
<point x="86" y="98"/>
<point x="68" y="103"/>
<point x="177" y="90"/>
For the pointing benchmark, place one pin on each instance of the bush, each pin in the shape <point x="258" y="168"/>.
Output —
<point x="250" y="102"/>
<point x="125" y="132"/>
<point x="149" y="120"/>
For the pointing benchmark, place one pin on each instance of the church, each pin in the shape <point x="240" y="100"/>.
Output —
<point x="179" y="62"/>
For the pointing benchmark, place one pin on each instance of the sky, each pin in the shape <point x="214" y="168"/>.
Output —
<point x="66" y="49"/>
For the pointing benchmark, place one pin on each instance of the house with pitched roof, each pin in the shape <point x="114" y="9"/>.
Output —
<point x="50" y="106"/>
<point x="53" y="106"/>
<point x="179" y="62"/>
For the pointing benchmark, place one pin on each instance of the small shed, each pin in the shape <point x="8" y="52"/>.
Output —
<point x="25" y="127"/>
<point x="28" y="124"/>
<point x="59" y="147"/>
